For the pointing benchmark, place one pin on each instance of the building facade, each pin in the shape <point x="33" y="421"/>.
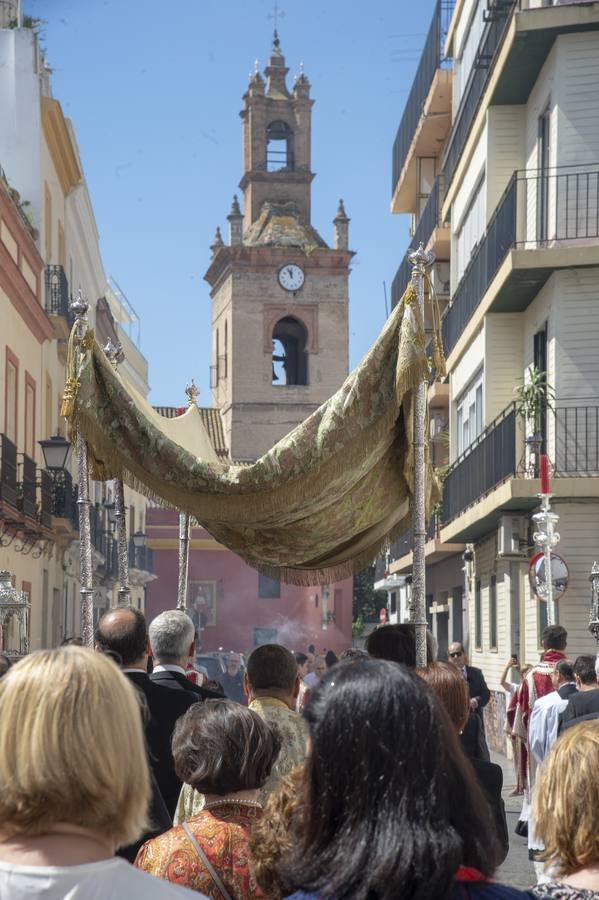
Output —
<point x="49" y="248"/>
<point x="513" y="172"/>
<point x="280" y="348"/>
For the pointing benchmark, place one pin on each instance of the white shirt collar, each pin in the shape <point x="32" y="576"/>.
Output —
<point x="168" y="668"/>
<point x="130" y="669"/>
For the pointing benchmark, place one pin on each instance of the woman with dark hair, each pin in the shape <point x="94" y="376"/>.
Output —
<point x="390" y="807"/>
<point x="226" y="752"/>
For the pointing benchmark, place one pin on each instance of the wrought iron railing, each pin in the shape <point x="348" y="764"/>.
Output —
<point x="537" y="209"/>
<point x="46" y="502"/>
<point x="429" y="220"/>
<point x="497" y="17"/>
<point x="8" y="471"/>
<point x="576" y="450"/>
<point x="27" y="489"/>
<point x="484" y="263"/>
<point x="489" y="460"/>
<point x="140" y="557"/>
<point x="64" y="495"/>
<point x="405" y="543"/>
<point x="432" y="58"/>
<point x="57" y="293"/>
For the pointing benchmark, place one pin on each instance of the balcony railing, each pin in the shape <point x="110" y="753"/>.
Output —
<point x="140" y="557"/>
<point x="498" y="15"/>
<point x="405" y="543"/>
<point x="538" y="209"/>
<point x="576" y="449"/>
<point x="64" y="496"/>
<point x="8" y="471"/>
<point x="57" y="293"/>
<point x="46" y="504"/>
<point x="429" y="220"/>
<point x="27" y="489"/>
<point x="432" y="59"/>
<point x="485" y="464"/>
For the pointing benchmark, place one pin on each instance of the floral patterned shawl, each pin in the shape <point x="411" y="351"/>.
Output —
<point x="320" y="505"/>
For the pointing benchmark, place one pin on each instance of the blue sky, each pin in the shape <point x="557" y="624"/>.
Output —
<point x="154" y="91"/>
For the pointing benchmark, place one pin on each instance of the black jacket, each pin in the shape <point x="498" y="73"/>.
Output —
<point x="582" y="703"/>
<point x="472" y="739"/>
<point x="566" y="690"/>
<point x="477" y="686"/>
<point x="490" y="778"/>
<point x="163" y="708"/>
<point x="176" y="681"/>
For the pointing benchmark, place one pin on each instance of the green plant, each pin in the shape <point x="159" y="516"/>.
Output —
<point x="357" y="628"/>
<point x="534" y="397"/>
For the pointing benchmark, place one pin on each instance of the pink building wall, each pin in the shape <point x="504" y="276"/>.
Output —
<point x="232" y="596"/>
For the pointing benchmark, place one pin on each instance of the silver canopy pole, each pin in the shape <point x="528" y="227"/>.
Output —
<point x="114" y="352"/>
<point x="79" y="309"/>
<point x="192" y="391"/>
<point x="420" y="261"/>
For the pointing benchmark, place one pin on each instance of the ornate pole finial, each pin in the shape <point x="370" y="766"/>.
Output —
<point x="79" y="306"/>
<point x="114" y="352"/>
<point x="421" y="259"/>
<point x="193" y="392"/>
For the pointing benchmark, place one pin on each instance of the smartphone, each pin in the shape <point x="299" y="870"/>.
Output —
<point x="515" y="657"/>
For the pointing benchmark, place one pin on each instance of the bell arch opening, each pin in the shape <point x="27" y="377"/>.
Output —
<point x="289" y="353"/>
<point x="279" y="147"/>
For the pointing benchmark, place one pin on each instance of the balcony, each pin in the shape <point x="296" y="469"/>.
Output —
<point x="491" y="476"/>
<point x="541" y="218"/>
<point x="8" y="477"/>
<point x="435" y="551"/>
<point x="58" y="299"/>
<point x="64" y="503"/>
<point x="498" y="16"/>
<point x="431" y="232"/>
<point x="427" y="115"/>
<point x="140" y="558"/>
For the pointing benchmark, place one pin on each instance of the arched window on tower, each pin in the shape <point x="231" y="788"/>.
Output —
<point x="289" y="354"/>
<point x="279" y="147"/>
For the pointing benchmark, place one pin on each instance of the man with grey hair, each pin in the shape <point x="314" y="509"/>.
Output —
<point x="172" y="640"/>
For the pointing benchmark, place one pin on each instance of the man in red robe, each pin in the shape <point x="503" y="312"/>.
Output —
<point x="535" y="684"/>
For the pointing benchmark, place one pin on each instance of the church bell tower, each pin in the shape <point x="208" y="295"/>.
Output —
<point x="279" y="292"/>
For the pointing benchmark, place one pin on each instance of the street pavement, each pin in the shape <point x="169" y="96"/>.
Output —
<point x="517" y="870"/>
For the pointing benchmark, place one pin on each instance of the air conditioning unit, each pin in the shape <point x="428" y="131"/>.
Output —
<point x="511" y="536"/>
<point x="440" y="278"/>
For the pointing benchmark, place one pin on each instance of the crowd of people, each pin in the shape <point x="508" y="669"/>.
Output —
<point x="369" y="780"/>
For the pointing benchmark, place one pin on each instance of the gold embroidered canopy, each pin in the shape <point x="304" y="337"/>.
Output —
<point x="319" y="506"/>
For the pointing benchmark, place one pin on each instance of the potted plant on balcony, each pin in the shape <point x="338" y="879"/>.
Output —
<point x="534" y="398"/>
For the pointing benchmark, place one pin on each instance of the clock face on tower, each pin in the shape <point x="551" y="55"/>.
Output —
<point x="291" y="277"/>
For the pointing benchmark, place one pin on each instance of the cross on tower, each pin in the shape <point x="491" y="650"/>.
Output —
<point x="276" y="14"/>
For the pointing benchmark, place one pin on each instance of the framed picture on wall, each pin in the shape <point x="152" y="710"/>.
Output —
<point x="202" y="603"/>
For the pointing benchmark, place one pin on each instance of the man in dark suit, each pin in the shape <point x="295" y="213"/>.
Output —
<point x="477" y="686"/>
<point x="172" y="643"/>
<point x="585" y="702"/>
<point x="122" y="632"/>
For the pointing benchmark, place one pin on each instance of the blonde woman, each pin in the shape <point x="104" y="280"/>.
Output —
<point x="74" y="783"/>
<point x="566" y="814"/>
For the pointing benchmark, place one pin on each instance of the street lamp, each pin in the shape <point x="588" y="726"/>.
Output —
<point x="111" y="513"/>
<point x="55" y="451"/>
<point x="139" y="540"/>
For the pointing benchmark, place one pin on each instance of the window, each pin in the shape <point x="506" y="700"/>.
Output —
<point x="279" y="149"/>
<point x="265" y="636"/>
<point x="469" y="413"/>
<point x="216" y="369"/>
<point x="543" y="150"/>
<point x="478" y="622"/>
<point x="48" y="402"/>
<point x="457" y="603"/>
<point x="289" y="355"/>
<point x="471" y="228"/>
<point x="540" y="362"/>
<point x="268" y="588"/>
<point x="61" y="245"/>
<point x="493" y="613"/>
<point x="393" y="607"/>
<point x="11" y="388"/>
<point x="29" y="416"/>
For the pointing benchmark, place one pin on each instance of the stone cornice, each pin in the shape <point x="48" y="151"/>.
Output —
<point x="60" y="145"/>
<point x="325" y="261"/>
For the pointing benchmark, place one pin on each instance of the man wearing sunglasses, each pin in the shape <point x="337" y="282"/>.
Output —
<point x="477" y="686"/>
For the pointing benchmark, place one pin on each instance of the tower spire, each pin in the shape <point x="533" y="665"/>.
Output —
<point x="276" y="71"/>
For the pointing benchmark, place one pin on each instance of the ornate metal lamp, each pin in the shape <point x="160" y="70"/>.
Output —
<point x="55" y="451"/>
<point x="14" y="603"/>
